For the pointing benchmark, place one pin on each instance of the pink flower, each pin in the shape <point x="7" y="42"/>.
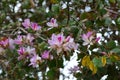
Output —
<point x="52" y="23"/>
<point x="46" y="55"/>
<point x="11" y="43"/>
<point x="26" y="23"/>
<point x="35" y="60"/>
<point x="19" y="40"/>
<point x="25" y="52"/>
<point x="87" y="38"/>
<point x="103" y="53"/>
<point x="28" y="38"/>
<point x="60" y="43"/>
<point x="22" y="53"/>
<point x="4" y="42"/>
<point x="35" y="26"/>
<point x="56" y="40"/>
<point x="30" y="50"/>
<point x="97" y="39"/>
<point x="69" y="44"/>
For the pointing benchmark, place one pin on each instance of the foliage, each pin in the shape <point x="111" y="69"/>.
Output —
<point x="38" y="36"/>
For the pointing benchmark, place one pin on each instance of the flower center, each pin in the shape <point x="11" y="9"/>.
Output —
<point x="59" y="39"/>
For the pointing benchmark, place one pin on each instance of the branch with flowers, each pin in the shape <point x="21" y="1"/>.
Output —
<point x="38" y="51"/>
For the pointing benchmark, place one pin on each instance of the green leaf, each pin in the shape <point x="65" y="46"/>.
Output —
<point x="116" y="50"/>
<point x="81" y="55"/>
<point x="89" y="24"/>
<point x="42" y="45"/>
<point x="111" y="45"/>
<point x="51" y="74"/>
<point x="114" y="58"/>
<point x="53" y="1"/>
<point x="112" y="1"/>
<point x="102" y="11"/>
<point x="26" y="4"/>
<point x="74" y="30"/>
<point x="108" y="21"/>
<point x="60" y="63"/>
<point x="83" y="16"/>
<point x="52" y="63"/>
<point x="118" y="20"/>
<point x="53" y="30"/>
<point x="109" y="61"/>
<point x="97" y="62"/>
<point x="56" y="9"/>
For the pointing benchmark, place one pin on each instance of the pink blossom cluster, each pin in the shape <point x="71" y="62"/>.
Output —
<point x="28" y="24"/>
<point x="53" y="23"/>
<point x="89" y="38"/>
<point x="22" y="39"/>
<point x="30" y="54"/>
<point x="26" y="48"/>
<point x="28" y="51"/>
<point x="60" y="43"/>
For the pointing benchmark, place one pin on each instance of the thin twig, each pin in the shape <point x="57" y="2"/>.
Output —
<point x="68" y="14"/>
<point x="111" y="11"/>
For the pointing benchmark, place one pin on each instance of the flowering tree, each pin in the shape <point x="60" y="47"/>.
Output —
<point x="37" y="38"/>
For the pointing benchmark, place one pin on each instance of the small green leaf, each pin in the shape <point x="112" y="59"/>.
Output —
<point x="108" y="21"/>
<point x="74" y="30"/>
<point x="42" y="45"/>
<point x="111" y="45"/>
<point x="102" y="11"/>
<point x="52" y="63"/>
<point x="116" y="50"/>
<point x="60" y="63"/>
<point x="97" y="62"/>
<point x="112" y="1"/>
<point x="118" y="21"/>
<point x="53" y="30"/>
<point x="51" y="74"/>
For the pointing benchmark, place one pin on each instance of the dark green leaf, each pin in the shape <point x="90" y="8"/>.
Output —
<point x="111" y="45"/>
<point x="97" y="62"/>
